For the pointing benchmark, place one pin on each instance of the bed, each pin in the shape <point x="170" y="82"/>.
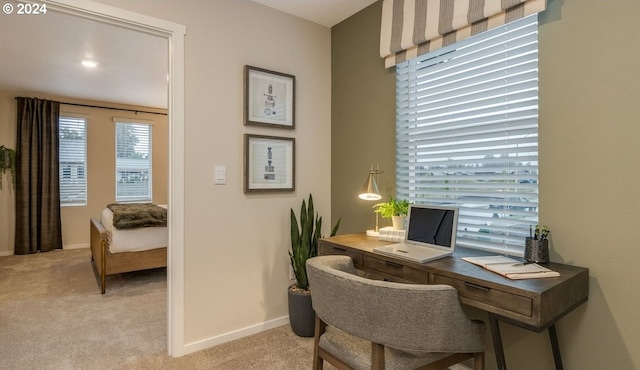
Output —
<point x="134" y="244"/>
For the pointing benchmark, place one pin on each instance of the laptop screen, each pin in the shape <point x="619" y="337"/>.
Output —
<point x="432" y="225"/>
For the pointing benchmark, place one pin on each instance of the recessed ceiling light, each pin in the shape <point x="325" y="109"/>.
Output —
<point x="89" y="63"/>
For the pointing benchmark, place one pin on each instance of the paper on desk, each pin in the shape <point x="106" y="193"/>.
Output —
<point x="511" y="268"/>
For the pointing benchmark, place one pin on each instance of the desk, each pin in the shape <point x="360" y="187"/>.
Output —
<point x="532" y="304"/>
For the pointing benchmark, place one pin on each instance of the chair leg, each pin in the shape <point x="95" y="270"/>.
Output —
<point x="478" y="361"/>
<point x="377" y="356"/>
<point x="320" y="327"/>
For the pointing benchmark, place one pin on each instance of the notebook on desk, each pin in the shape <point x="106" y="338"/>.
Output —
<point x="431" y="234"/>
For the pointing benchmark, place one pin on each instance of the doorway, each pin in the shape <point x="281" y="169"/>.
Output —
<point x="174" y="33"/>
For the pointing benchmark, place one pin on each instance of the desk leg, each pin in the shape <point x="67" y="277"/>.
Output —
<point x="555" y="347"/>
<point x="499" y="350"/>
<point x="497" y="342"/>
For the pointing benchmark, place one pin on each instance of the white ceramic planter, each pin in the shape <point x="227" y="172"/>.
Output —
<point x="398" y="222"/>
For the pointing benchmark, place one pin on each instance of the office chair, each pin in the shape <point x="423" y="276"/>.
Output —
<point x="371" y="324"/>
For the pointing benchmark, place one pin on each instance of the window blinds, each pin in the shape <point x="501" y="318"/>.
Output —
<point x="133" y="162"/>
<point x="467" y="134"/>
<point x="73" y="160"/>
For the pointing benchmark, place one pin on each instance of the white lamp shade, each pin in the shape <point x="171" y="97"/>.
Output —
<point x="370" y="189"/>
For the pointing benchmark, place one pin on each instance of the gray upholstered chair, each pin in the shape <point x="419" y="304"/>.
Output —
<point x="371" y="324"/>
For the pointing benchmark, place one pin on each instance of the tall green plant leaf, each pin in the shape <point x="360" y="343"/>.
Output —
<point x="304" y="240"/>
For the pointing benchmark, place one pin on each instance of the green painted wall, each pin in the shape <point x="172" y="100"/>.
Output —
<point x="362" y="118"/>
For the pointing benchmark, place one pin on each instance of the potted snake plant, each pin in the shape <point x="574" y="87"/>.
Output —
<point x="304" y="245"/>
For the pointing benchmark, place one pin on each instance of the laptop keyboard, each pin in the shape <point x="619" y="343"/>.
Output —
<point x="411" y="252"/>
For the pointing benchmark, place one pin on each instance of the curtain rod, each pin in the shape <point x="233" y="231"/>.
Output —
<point x="101" y="107"/>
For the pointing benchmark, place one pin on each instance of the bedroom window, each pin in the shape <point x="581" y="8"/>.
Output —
<point x="73" y="161"/>
<point x="467" y="134"/>
<point x="133" y="162"/>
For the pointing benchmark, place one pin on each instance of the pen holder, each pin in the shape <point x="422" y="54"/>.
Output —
<point x="536" y="250"/>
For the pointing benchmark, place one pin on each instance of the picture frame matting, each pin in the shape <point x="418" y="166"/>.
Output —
<point x="269" y="98"/>
<point x="269" y="163"/>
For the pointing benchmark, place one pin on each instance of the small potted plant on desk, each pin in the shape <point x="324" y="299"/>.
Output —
<point x="304" y="245"/>
<point x="394" y="209"/>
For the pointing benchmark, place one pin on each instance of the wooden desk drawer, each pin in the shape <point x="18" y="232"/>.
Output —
<point x="358" y="259"/>
<point x="487" y="297"/>
<point x="400" y="270"/>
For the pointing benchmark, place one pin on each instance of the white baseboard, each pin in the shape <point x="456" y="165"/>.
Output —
<point x="237" y="334"/>
<point x="76" y="246"/>
<point x="6" y="253"/>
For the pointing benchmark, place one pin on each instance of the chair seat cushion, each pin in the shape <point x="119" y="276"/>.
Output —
<point x="356" y="352"/>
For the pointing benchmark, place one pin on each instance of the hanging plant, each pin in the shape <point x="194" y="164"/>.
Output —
<point x="7" y="163"/>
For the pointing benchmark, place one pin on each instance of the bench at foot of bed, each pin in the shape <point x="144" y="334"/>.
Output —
<point x="115" y="263"/>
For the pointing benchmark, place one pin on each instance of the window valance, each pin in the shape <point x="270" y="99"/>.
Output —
<point x="415" y="27"/>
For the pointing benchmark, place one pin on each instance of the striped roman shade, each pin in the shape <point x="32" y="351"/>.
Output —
<point x="415" y="27"/>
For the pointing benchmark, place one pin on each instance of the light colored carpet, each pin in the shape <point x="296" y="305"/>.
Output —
<point x="52" y="316"/>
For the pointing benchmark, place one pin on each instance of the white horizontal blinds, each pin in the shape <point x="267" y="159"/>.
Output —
<point x="467" y="134"/>
<point x="410" y="28"/>
<point x="73" y="161"/>
<point x="133" y="162"/>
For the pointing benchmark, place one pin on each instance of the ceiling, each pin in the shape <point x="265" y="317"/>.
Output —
<point x="325" y="12"/>
<point x="46" y="54"/>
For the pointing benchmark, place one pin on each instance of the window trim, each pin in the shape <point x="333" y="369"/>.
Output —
<point x="62" y="171"/>
<point x="146" y="199"/>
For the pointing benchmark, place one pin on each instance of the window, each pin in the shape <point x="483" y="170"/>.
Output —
<point x="73" y="161"/>
<point x="467" y="134"/>
<point x="133" y="162"/>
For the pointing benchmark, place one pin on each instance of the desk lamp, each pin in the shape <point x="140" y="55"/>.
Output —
<point x="370" y="192"/>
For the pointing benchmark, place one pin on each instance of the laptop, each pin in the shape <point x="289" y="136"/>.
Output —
<point x="431" y="234"/>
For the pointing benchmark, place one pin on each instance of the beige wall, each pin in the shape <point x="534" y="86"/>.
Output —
<point x="7" y="196"/>
<point x="236" y="263"/>
<point x="589" y="166"/>
<point x="100" y="164"/>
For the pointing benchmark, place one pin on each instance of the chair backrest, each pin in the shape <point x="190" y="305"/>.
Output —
<point x="409" y="317"/>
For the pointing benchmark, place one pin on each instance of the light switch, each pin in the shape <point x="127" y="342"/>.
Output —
<point x="220" y="175"/>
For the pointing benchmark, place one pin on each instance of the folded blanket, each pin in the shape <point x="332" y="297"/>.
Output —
<point x="134" y="215"/>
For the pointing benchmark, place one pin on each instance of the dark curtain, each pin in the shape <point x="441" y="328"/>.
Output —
<point x="38" y="225"/>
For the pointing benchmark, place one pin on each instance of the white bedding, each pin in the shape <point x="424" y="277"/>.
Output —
<point x="132" y="240"/>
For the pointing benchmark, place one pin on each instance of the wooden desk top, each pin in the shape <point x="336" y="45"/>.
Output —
<point x="533" y="304"/>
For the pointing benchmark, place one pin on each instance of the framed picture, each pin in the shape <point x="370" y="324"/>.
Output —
<point x="269" y="98"/>
<point x="269" y="163"/>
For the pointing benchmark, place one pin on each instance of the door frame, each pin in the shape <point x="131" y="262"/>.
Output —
<point x="174" y="33"/>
